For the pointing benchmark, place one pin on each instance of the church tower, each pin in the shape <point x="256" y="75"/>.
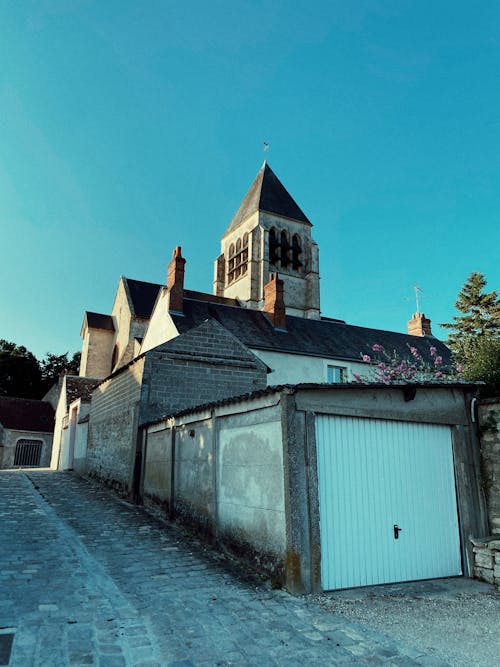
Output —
<point x="269" y="234"/>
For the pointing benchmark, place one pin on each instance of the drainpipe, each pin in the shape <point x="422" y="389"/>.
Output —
<point x="171" y="512"/>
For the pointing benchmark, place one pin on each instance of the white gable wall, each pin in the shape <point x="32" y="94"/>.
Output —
<point x="297" y="368"/>
<point x="161" y="326"/>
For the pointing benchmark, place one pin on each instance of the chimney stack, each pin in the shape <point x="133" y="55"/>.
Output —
<point x="175" y="281"/>
<point x="274" y="301"/>
<point x="419" y="325"/>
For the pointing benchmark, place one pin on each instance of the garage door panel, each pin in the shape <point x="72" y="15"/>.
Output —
<point x="374" y="474"/>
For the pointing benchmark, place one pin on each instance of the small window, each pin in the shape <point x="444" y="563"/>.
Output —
<point x="336" y="374"/>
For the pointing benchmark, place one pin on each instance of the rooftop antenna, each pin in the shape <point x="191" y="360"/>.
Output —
<point x="417" y="292"/>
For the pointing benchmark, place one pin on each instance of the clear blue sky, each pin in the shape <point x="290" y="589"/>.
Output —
<point x="127" y="128"/>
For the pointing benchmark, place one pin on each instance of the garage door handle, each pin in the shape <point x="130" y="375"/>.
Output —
<point x="397" y="530"/>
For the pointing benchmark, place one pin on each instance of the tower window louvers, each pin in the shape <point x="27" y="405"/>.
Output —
<point x="238" y="259"/>
<point x="285" y="249"/>
<point x="296" y="252"/>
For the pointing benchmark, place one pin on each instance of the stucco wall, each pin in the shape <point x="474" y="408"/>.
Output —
<point x="250" y="486"/>
<point x="11" y="437"/>
<point x="489" y="424"/>
<point x="228" y="477"/>
<point x="296" y="368"/>
<point x="113" y="427"/>
<point x="161" y="327"/>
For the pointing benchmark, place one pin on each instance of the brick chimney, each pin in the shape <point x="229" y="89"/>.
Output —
<point x="175" y="281"/>
<point x="419" y="325"/>
<point x="274" y="301"/>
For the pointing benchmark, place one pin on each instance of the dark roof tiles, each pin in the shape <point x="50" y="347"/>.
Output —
<point x="323" y="338"/>
<point x="24" y="414"/>
<point x="267" y="193"/>
<point x="99" y="321"/>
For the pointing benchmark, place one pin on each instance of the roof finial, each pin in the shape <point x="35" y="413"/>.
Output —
<point x="266" y="146"/>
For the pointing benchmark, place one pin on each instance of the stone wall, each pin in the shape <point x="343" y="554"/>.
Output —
<point x="489" y="425"/>
<point x="487" y="560"/>
<point x="113" y="427"/>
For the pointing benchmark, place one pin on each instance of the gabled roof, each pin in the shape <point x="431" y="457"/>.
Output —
<point x="99" y="321"/>
<point x="144" y="297"/>
<point x="323" y="338"/>
<point x="23" y="414"/>
<point x="267" y="193"/>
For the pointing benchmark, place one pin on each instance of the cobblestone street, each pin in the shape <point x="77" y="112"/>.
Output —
<point x="87" y="579"/>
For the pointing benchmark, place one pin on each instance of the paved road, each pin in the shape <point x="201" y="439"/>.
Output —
<point x="86" y="579"/>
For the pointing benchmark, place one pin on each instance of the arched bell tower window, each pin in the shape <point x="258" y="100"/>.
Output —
<point x="285" y="249"/>
<point x="238" y="259"/>
<point x="296" y="252"/>
<point x="273" y="246"/>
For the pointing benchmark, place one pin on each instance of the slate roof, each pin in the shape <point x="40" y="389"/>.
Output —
<point x="79" y="387"/>
<point x="99" y="321"/>
<point x="267" y="193"/>
<point x="323" y="338"/>
<point x="144" y="296"/>
<point x="327" y="337"/>
<point x="24" y="414"/>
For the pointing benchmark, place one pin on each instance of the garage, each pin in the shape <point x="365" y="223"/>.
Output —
<point x="387" y="501"/>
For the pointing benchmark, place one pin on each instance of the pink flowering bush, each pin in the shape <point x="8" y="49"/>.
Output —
<point x="388" y="368"/>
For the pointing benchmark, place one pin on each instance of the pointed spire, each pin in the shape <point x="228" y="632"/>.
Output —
<point x="268" y="194"/>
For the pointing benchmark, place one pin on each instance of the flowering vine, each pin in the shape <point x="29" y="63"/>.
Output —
<point x="388" y="368"/>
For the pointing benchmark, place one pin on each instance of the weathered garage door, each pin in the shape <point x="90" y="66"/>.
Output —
<point x="388" y="509"/>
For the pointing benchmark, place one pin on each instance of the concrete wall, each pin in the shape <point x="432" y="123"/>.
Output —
<point x="227" y="477"/>
<point x="113" y="427"/>
<point x="250" y="484"/>
<point x="246" y="473"/>
<point x="489" y="426"/>
<point x="9" y="439"/>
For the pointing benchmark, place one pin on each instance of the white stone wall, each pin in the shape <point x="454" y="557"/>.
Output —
<point x="97" y="350"/>
<point x="301" y="286"/>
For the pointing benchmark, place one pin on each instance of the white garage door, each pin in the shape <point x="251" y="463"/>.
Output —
<point x="387" y="501"/>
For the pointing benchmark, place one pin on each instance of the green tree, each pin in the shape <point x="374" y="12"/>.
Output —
<point x="55" y="365"/>
<point x="481" y="361"/>
<point x="475" y="333"/>
<point x="480" y="314"/>
<point x="20" y="373"/>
